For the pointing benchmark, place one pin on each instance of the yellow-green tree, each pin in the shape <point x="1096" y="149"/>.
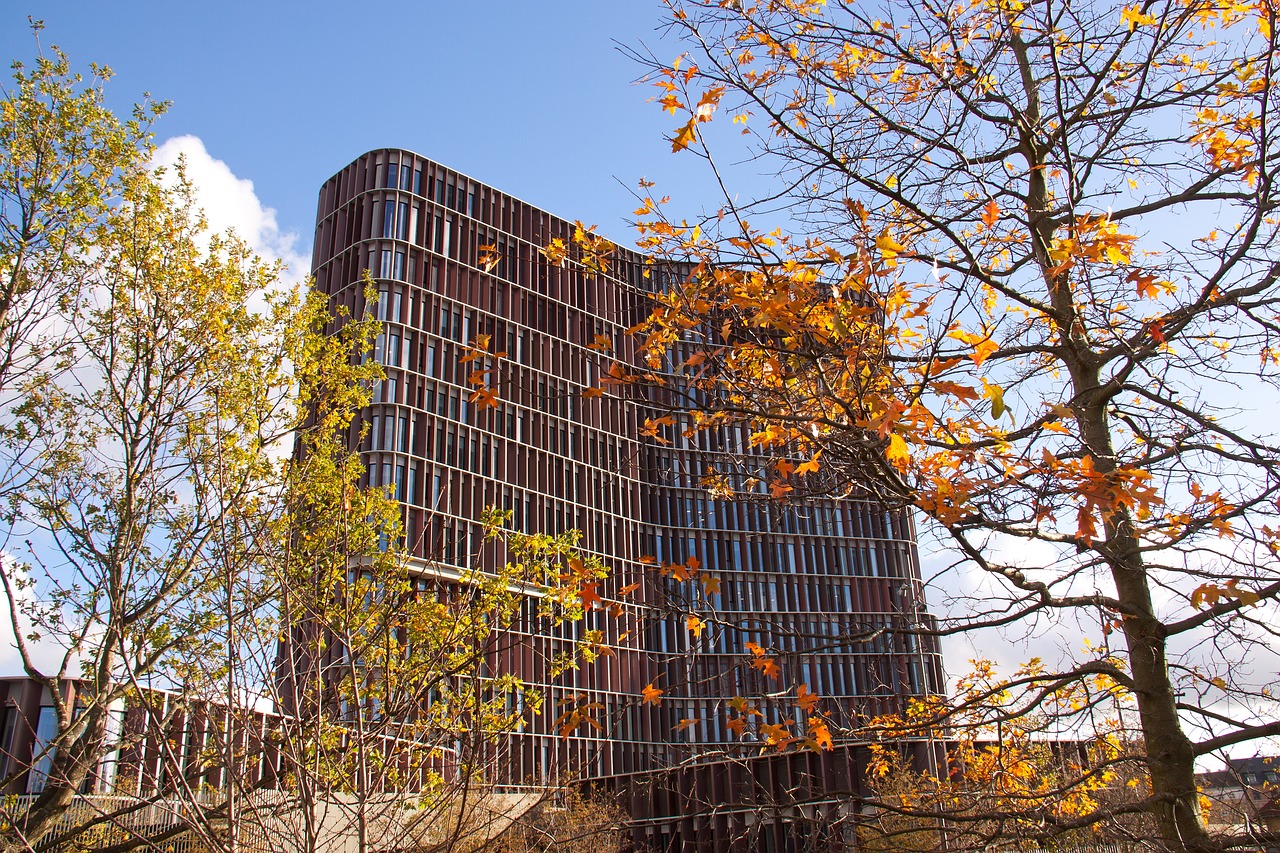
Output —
<point x="1018" y="272"/>
<point x="173" y="457"/>
<point x="141" y="395"/>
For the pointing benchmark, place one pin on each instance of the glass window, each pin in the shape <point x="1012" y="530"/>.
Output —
<point x="42" y="750"/>
<point x="391" y="174"/>
<point x="388" y="218"/>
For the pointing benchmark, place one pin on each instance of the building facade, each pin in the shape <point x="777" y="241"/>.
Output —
<point x="826" y="586"/>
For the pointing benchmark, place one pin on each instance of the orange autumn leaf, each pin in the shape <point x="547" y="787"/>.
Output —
<point x="589" y="597"/>
<point x="806" y="700"/>
<point x="810" y="467"/>
<point x="652" y="695"/>
<point x="990" y="213"/>
<point x="483" y="398"/>
<point x="820" y="735"/>
<point x="684" y="136"/>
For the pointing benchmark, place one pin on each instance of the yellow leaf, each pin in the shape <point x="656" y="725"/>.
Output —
<point x="995" y="394"/>
<point x="1135" y="17"/>
<point x="889" y="247"/>
<point x="652" y="695"/>
<point x="897" y="451"/>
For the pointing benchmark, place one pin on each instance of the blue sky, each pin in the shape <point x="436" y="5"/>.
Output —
<point x="531" y="97"/>
<point x="269" y="99"/>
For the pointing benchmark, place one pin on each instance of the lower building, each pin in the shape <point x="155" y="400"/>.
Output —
<point x="827" y="587"/>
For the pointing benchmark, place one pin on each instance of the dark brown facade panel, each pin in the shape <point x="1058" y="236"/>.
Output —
<point x="842" y="576"/>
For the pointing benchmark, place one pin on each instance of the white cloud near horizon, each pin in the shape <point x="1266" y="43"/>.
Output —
<point x="230" y="202"/>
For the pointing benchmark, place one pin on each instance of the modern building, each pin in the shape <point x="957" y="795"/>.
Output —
<point x="826" y="586"/>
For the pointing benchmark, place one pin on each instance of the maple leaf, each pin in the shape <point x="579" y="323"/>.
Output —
<point x="810" y="467"/>
<point x="590" y="598"/>
<point x="1146" y="285"/>
<point x="897" y="451"/>
<point x="652" y="695"/>
<point x="777" y="734"/>
<point x="991" y="213"/>
<point x="592" y="393"/>
<point x="684" y="136"/>
<point x="963" y="393"/>
<point x="629" y="588"/>
<point x="694" y="624"/>
<point x="1135" y="17"/>
<point x="983" y="351"/>
<point x="819" y="735"/>
<point x="686" y="724"/>
<point x="806" y="700"/>
<point x="711" y="585"/>
<point x="484" y="398"/>
<point x="889" y="248"/>
<point x="570" y="720"/>
<point x="708" y="102"/>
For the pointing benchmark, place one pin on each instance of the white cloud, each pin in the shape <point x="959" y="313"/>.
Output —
<point x="229" y="202"/>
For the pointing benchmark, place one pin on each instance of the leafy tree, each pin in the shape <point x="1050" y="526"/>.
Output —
<point x="999" y="772"/>
<point x="142" y="395"/>
<point x="1023" y="281"/>
<point x="154" y="378"/>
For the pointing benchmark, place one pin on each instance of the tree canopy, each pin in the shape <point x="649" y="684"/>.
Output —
<point x="1023" y="280"/>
